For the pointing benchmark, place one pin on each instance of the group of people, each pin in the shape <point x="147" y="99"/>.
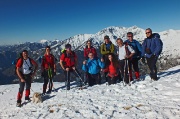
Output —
<point x="116" y="63"/>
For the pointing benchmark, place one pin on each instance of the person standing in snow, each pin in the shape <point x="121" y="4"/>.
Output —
<point x="125" y="53"/>
<point x="48" y="69"/>
<point x="112" y="69"/>
<point x="93" y="66"/>
<point x="106" y="48"/>
<point x="25" y="72"/>
<point x="136" y="57"/>
<point x="151" y="49"/>
<point x="89" y="49"/>
<point x="68" y="62"/>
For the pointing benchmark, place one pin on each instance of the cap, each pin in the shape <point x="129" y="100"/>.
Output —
<point x="106" y="37"/>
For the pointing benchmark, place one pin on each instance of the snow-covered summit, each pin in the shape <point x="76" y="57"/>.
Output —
<point x="159" y="99"/>
<point x="43" y="41"/>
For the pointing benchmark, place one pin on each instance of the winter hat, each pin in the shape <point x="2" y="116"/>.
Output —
<point x="67" y="46"/>
<point x="106" y="37"/>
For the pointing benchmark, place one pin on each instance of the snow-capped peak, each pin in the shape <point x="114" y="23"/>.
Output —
<point x="43" y="41"/>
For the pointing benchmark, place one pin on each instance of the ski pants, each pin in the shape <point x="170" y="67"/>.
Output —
<point x="124" y="70"/>
<point x="27" y="78"/>
<point x="47" y="80"/>
<point x="151" y="62"/>
<point x="134" y="63"/>
<point x="94" y="79"/>
<point x="67" y="77"/>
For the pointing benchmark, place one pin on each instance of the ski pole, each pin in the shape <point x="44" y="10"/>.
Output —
<point x="79" y="77"/>
<point x="32" y="90"/>
<point x="67" y="77"/>
<point x="50" y="78"/>
<point x="124" y="72"/>
<point x="128" y="72"/>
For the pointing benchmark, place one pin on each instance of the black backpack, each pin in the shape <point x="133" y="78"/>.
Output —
<point x="15" y="62"/>
<point x="65" y="54"/>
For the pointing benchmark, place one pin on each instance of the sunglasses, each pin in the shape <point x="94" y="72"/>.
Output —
<point x="148" y="32"/>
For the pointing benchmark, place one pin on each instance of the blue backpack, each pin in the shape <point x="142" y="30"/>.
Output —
<point x="156" y="35"/>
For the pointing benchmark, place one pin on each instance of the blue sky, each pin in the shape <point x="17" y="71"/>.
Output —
<point x="33" y="20"/>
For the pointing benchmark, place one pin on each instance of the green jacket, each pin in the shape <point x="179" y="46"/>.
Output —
<point x="104" y="51"/>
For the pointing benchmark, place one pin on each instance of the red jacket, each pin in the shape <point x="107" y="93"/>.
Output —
<point x="69" y="59"/>
<point x="112" y="71"/>
<point x="48" y="60"/>
<point x="88" y="50"/>
<point x="20" y="62"/>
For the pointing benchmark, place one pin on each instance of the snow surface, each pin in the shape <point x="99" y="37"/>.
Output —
<point x="159" y="99"/>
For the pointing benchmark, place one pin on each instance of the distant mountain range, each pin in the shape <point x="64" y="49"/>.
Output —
<point x="169" y="57"/>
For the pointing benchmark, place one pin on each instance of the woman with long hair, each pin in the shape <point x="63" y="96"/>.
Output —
<point x="112" y="69"/>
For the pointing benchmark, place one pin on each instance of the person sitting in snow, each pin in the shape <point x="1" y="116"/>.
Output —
<point x="112" y="69"/>
<point x="25" y="72"/>
<point x="93" y="66"/>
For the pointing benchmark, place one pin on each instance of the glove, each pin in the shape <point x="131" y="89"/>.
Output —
<point x="153" y="55"/>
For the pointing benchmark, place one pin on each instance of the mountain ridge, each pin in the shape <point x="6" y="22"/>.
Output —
<point x="170" y="55"/>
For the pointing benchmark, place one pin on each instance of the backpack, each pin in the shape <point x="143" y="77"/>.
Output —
<point x="137" y="52"/>
<point x="156" y="35"/>
<point x="15" y="62"/>
<point x="43" y="58"/>
<point x="65" y="55"/>
<point x="127" y="50"/>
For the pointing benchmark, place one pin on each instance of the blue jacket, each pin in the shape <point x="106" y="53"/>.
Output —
<point x="153" y="44"/>
<point x="136" y="47"/>
<point x="93" y="66"/>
